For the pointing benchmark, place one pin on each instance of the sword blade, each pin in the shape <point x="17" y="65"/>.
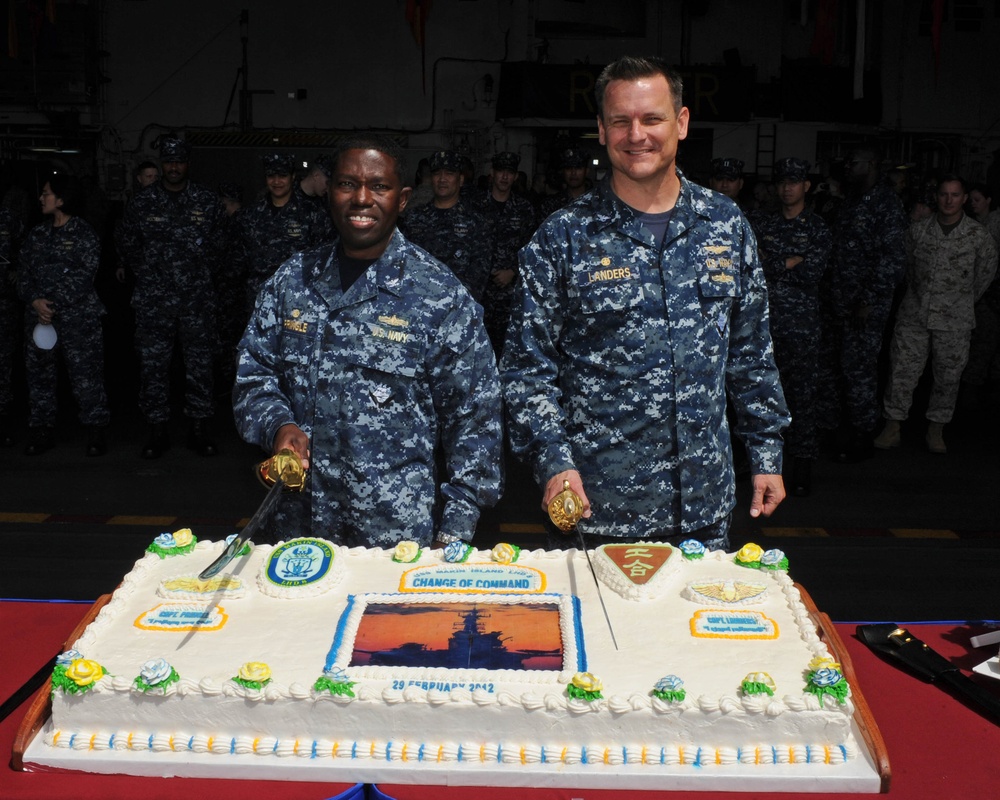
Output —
<point x="597" y="583"/>
<point x="260" y="516"/>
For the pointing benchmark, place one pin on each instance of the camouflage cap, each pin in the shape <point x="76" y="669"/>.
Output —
<point x="173" y="149"/>
<point x="446" y="159"/>
<point x="791" y="169"/>
<point x="572" y="157"/>
<point x="278" y="163"/>
<point x="506" y="160"/>
<point x="231" y="191"/>
<point x="727" y="168"/>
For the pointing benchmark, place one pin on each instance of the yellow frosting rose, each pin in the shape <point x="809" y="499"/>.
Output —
<point x="255" y="671"/>
<point x="749" y="553"/>
<point x="503" y="553"/>
<point x="84" y="672"/>
<point x="406" y="551"/>
<point x="183" y="537"/>
<point x="587" y="682"/>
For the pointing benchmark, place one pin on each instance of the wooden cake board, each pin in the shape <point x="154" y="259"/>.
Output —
<point x="875" y="756"/>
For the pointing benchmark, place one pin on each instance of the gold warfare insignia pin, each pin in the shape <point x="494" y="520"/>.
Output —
<point x="722" y="278"/>
<point x="717" y="249"/>
<point x="394" y="321"/>
<point x="605" y="262"/>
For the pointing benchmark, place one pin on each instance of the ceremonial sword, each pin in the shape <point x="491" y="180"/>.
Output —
<point x="260" y="515"/>
<point x="284" y="469"/>
<point x="565" y="510"/>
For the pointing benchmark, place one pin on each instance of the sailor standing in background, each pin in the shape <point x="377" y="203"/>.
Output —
<point x="453" y="232"/>
<point x="512" y="221"/>
<point x="166" y="239"/>
<point x="794" y="246"/>
<point x="58" y="263"/>
<point x="279" y="225"/>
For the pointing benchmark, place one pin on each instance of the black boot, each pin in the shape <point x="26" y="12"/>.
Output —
<point x="157" y="442"/>
<point x="40" y="440"/>
<point x="97" y="444"/>
<point x="802" y="477"/>
<point x="200" y="440"/>
<point x="855" y="445"/>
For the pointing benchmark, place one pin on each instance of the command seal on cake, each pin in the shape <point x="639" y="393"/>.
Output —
<point x="299" y="568"/>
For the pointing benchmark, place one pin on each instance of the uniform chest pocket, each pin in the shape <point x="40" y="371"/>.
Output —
<point x="719" y="289"/>
<point x="599" y="296"/>
<point x="719" y="284"/>
<point x="384" y="378"/>
<point x="296" y="349"/>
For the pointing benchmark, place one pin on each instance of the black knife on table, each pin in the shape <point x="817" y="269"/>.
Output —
<point x="898" y="644"/>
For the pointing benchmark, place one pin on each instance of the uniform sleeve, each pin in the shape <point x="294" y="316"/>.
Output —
<point x="752" y="381"/>
<point x="889" y="259"/>
<point x="27" y="285"/>
<point x="986" y="265"/>
<point x="530" y="363"/>
<point x="466" y="392"/>
<point x="815" y="256"/>
<point x="321" y="228"/>
<point x="76" y="284"/>
<point x="260" y="404"/>
<point x="128" y="237"/>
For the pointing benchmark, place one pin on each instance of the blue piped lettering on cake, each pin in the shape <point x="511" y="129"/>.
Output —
<point x="463" y="577"/>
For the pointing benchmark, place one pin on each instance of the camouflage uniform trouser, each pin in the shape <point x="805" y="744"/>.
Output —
<point x="849" y="370"/>
<point x="911" y="344"/>
<point x="155" y="333"/>
<point x="10" y="319"/>
<point x="81" y="347"/>
<point x="795" y="352"/>
<point x="497" y="305"/>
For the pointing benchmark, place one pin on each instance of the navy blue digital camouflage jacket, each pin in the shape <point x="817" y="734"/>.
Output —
<point x="377" y="377"/>
<point x="620" y="358"/>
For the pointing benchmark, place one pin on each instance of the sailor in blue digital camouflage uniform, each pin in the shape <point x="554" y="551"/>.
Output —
<point x="364" y="355"/>
<point x="10" y="318"/>
<point x="643" y="305"/>
<point x="794" y="245"/>
<point x="453" y="232"/>
<point x="512" y="221"/>
<point x="314" y="185"/>
<point x="573" y="174"/>
<point x="726" y="177"/>
<point x="167" y="240"/>
<point x="58" y="263"/>
<point x="867" y="264"/>
<point x="280" y="224"/>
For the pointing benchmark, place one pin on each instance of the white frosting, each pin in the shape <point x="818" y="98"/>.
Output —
<point x="470" y="716"/>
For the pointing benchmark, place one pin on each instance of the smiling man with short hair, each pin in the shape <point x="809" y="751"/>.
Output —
<point x="643" y="305"/>
<point x="363" y="356"/>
